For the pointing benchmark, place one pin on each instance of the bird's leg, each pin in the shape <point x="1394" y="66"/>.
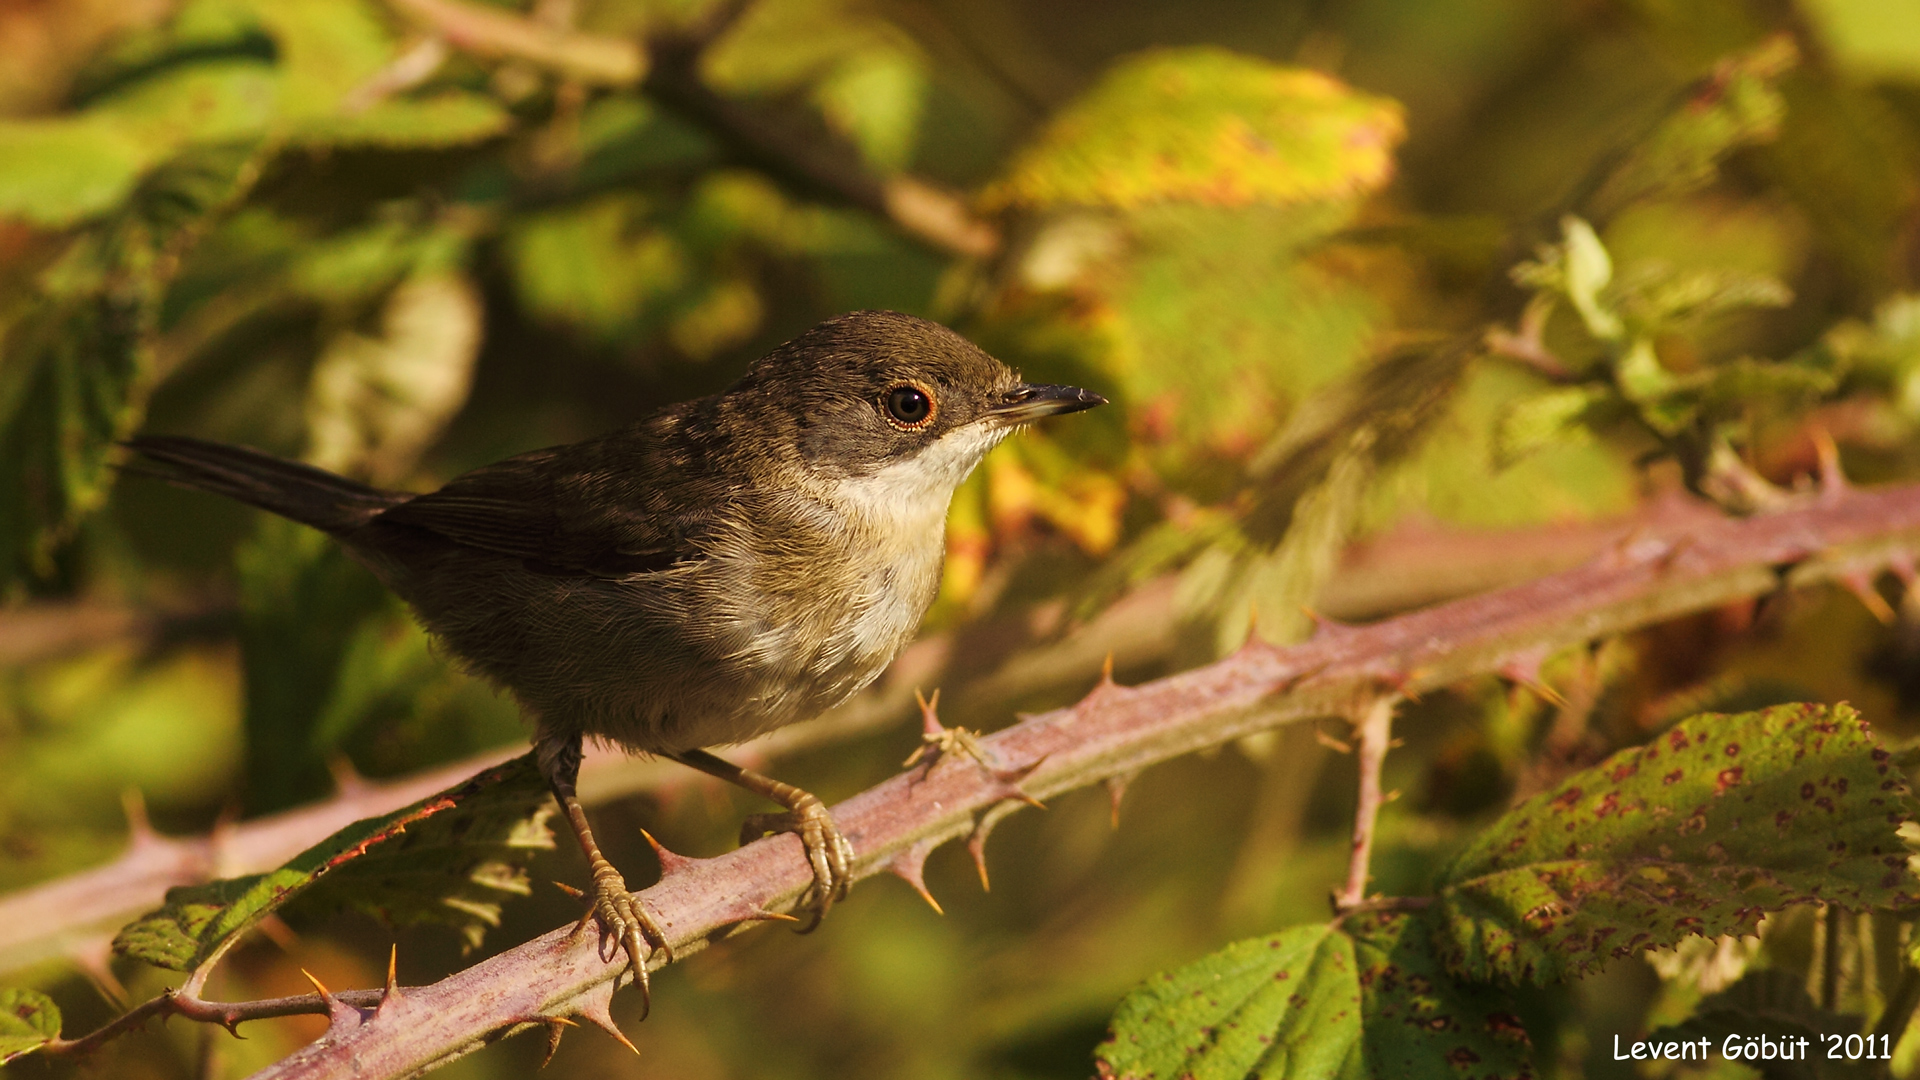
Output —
<point x="827" y="850"/>
<point x="618" y="911"/>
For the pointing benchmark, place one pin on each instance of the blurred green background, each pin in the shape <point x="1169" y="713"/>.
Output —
<point x="318" y="228"/>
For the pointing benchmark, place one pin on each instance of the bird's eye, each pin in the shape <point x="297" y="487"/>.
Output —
<point x="909" y="407"/>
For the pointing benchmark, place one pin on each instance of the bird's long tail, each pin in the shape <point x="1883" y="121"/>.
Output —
<point x="308" y="495"/>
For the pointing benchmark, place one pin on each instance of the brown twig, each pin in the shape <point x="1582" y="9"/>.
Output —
<point x="492" y="32"/>
<point x="1374" y="732"/>
<point x="1115" y="731"/>
<point x="667" y="67"/>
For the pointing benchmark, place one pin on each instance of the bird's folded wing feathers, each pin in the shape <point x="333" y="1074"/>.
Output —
<point x="534" y="507"/>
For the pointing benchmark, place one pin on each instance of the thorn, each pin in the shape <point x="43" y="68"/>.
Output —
<point x="556" y="1026"/>
<point x="763" y="915"/>
<point x="1117" y="790"/>
<point x="1014" y="792"/>
<point x="670" y="862"/>
<point x="391" y="991"/>
<point x="977" y="840"/>
<point x="929" y="712"/>
<point x="594" y="1006"/>
<point x="1523" y="668"/>
<point x="1330" y="742"/>
<point x="910" y="866"/>
<point x="317" y="984"/>
<point x="577" y="894"/>
<point x="338" y="1012"/>
<point x="1106" y="670"/>
<point x="1860" y="584"/>
<point x="1323" y="627"/>
<point x="977" y="847"/>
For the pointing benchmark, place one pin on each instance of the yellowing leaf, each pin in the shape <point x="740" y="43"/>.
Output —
<point x="1209" y="126"/>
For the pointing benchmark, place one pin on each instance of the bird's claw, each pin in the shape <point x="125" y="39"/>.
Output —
<point x="828" y="851"/>
<point x="627" y="928"/>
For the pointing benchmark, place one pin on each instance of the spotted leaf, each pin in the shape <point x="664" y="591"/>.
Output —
<point x="1703" y="830"/>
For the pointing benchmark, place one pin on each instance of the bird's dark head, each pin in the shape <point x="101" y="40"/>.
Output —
<point x="864" y="394"/>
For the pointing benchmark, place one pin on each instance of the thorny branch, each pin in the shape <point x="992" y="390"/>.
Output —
<point x="74" y="916"/>
<point x="1116" y="731"/>
<point x="668" y="68"/>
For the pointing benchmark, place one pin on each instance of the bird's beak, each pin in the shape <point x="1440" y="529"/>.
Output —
<point x="1029" y="402"/>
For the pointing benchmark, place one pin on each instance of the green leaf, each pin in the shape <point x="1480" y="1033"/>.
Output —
<point x="1702" y="831"/>
<point x="1422" y="1022"/>
<point x="1209" y="126"/>
<point x="29" y="1020"/>
<point x="446" y="118"/>
<point x="1738" y="105"/>
<point x="1553" y="417"/>
<point x="58" y="171"/>
<point x="599" y="266"/>
<point x="1286" y="1005"/>
<point x="1369" y="999"/>
<point x="449" y="858"/>
<point x="73" y="369"/>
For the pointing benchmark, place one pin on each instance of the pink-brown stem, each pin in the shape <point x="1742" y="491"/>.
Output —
<point x="1374" y="732"/>
<point x="1116" y="731"/>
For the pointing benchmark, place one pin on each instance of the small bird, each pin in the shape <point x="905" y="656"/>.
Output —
<point x="715" y="570"/>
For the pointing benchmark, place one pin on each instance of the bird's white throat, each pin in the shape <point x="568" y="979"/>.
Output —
<point x="909" y="498"/>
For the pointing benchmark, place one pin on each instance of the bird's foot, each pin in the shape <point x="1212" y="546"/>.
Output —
<point x="827" y="850"/>
<point x="625" y="925"/>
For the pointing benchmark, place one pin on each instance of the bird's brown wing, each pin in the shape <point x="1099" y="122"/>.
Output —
<point x="562" y="510"/>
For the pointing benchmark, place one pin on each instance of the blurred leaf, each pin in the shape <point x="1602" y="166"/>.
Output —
<point x="1422" y="1022"/>
<point x="449" y="858"/>
<point x="875" y="98"/>
<point x="1737" y="106"/>
<point x="1548" y="418"/>
<point x="73" y="370"/>
<point x="1286" y="1005"/>
<point x="384" y="661"/>
<point x="57" y="171"/>
<point x="1209" y="126"/>
<point x="326" y="49"/>
<point x="29" y="1020"/>
<point x="303" y="602"/>
<point x="1701" y="831"/>
<point x="1588" y="271"/>
<point x="596" y="266"/>
<point x="376" y="402"/>
<point x="1774" y="1004"/>
<point x="444" y="118"/>
<point x="1872" y="39"/>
